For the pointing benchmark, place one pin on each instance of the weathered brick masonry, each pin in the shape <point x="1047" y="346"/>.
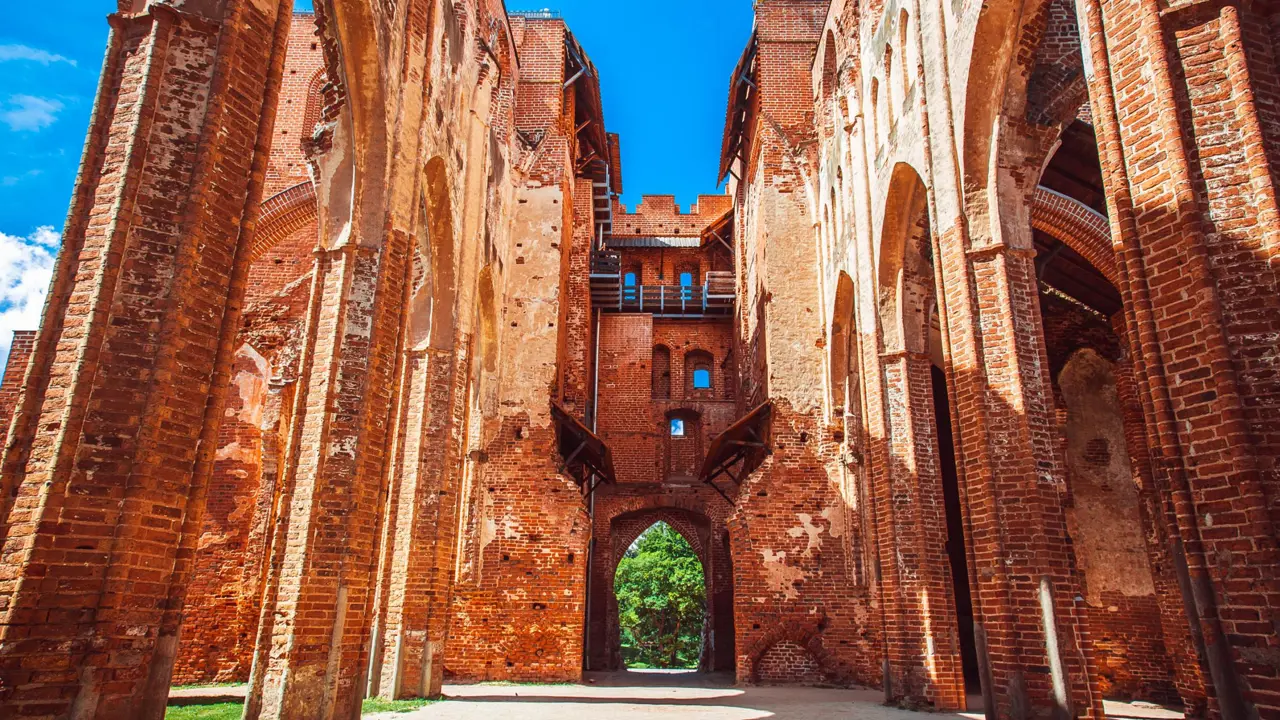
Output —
<point x="356" y="374"/>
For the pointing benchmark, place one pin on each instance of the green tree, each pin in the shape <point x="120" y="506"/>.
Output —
<point x="662" y="599"/>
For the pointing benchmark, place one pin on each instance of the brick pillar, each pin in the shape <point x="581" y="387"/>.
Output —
<point x="1031" y="641"/>
<point x="314" y="663"/>
<point x="920" y="623"/>
<point x="421" y="542"/>
<point x="1157" y="523"/>
<point x="116" y="429"/>
<point x="1186" y="105"/>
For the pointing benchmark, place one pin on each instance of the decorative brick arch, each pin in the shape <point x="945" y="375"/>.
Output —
<point x="1078" y="226"/>
<point x="283" y="214"/>
<point x="807" y="636"/>
<point x="692" y="525"/>
<point x="315" y="104"/>
<point x="905" y="275"/>
<point x="829" y="77"/>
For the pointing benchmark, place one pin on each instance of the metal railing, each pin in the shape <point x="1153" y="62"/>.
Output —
<point x="666" y="300"/>
<point x="543" y="14"/>
<point x="609" y="292"/>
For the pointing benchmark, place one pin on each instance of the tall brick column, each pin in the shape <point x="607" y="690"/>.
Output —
<point x="1189" y="673"/>
<point x="115" y="432"/>
<point x="315" y="660"/>
<point x="920" y="621"/>
<point x="1188" y="116"/>
<point x="1029" y="628"/>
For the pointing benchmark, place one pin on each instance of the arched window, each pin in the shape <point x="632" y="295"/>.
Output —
<point x="697" y="374"/>
<point x="661" y="380"/>
<point x="631" y="283"/>
<point x="829" y="68"/>
<point x="687" y="274"/>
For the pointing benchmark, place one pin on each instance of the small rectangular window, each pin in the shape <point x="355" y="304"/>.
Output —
<point x="701" y="379"/>
<point x="629" y="279"/>
<point x="677" y="427"/>
<point x="686" y="279"/>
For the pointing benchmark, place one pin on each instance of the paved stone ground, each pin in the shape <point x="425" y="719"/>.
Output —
<point x="658" y="693"/>
<point x="636" y="694"/>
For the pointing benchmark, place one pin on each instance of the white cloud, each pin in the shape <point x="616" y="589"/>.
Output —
<point x="12" y="180"/>
<point x="30" y="113"/>
<point x="22" y="52"/>
<point x="26" y="267"/>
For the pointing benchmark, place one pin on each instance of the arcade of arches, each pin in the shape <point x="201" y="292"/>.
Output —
<point x="356" y="375"/>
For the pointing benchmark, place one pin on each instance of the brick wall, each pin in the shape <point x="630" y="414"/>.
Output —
<point x="660" y="215"/>
<point x="15" y="371"/>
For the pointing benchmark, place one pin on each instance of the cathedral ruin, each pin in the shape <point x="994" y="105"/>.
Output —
<point x="356" y="375"/>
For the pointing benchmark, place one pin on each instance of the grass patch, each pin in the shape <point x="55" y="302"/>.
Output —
<point x="221" y="711"/>
<point x="511" y="683"/>
<point x="233" y="711"/>
<point x="201" y="686"/>
<point x="378" y="705"/>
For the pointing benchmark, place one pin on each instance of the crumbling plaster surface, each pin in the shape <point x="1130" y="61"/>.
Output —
<point x="531" y="308"/>
<point x="1104" y="517"/>
<point x="796" y="339"/>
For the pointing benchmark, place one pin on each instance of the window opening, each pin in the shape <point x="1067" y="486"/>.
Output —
<point x="701" y="378"/>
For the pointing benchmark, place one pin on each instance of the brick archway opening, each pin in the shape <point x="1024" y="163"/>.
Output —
<point x="696" y="529"/>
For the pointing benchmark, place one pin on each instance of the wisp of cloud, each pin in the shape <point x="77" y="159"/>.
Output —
<point x="23" y="52"/>
<point x="28" y="113"/>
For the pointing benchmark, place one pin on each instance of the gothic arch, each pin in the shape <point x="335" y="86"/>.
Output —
<point x="690" y="523"/>
<point x="806" y="636"/>
<point x="693" y="526"/>
<point x="314" y="107"/>
<point x="998" y="67"/>
<point x="906" y="282"/>
<point x="829" y="75"/>
<point x="352" y="183"/>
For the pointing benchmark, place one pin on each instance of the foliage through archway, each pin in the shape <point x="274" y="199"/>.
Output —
<point x="662" y="599"/>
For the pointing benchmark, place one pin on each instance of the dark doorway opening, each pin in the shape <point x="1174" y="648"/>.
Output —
<point x="957" y="553"/>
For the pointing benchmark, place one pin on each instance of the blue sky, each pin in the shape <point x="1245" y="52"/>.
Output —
<point x="664" y="67"/>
